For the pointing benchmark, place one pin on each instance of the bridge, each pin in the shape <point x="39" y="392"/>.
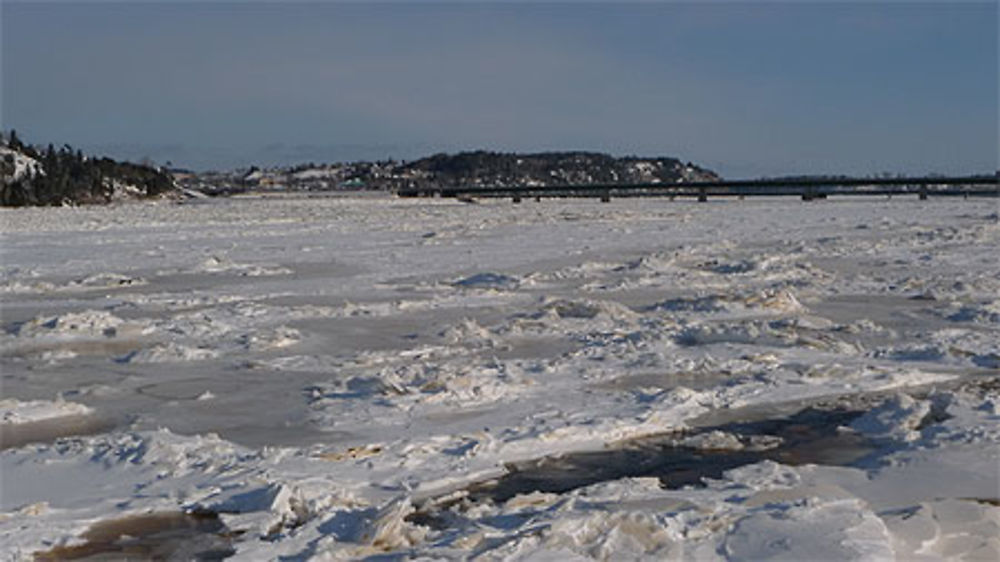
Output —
<point x="806" y="188"/>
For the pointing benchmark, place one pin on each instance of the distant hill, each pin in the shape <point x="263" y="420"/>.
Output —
<point x="479" y="168"/>
<point x="34" y="176"/>
<point x="549" y="168"/>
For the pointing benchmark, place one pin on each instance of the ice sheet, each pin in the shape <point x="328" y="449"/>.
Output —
<point x="323" y="372"/>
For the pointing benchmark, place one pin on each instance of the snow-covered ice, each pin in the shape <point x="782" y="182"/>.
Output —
<point x="335" y="378"/>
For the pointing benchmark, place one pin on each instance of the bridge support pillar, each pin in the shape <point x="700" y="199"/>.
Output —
<point x="605" y="197"/>
<point x="516" y="199"/>
<point x="702" y="195"/>
<point x="923" y="193"/>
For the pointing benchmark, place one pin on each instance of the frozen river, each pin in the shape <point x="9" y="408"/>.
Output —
<point x="343" y="377"/>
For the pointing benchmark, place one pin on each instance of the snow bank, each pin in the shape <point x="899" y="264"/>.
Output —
<point x="14" y="412"/>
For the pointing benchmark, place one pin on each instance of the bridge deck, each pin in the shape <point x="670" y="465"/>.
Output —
<point x="974" y="186"/>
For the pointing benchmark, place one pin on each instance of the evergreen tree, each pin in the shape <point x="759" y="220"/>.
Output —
<point x="70" y="177"/>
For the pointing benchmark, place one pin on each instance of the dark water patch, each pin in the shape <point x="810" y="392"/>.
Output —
<point x="995" y="502"/>
<point x="742" y="266"/>
<point x="810" y="436"/>
<point x="153" y="536"/>
<point x="48" y="430"/>
<point x="709" y="304"/>
<point x="488" y="280"/>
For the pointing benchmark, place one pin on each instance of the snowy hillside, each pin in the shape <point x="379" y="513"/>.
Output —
<point x="34" y="176"/>
<point x="16" y="166"/>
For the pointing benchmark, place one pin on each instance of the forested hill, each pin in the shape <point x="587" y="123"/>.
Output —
<point x="479" y="168"/>
<point x="550" y="168"/>
<point x="35" y="176"/>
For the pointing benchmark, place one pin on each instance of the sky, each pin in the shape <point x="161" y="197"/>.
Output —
<point x="748" y="89"/>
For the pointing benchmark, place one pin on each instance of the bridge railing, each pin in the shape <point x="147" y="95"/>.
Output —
<point x="808" y="188"/>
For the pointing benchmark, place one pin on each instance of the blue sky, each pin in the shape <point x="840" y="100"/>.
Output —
<point x="745" y="88"/>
